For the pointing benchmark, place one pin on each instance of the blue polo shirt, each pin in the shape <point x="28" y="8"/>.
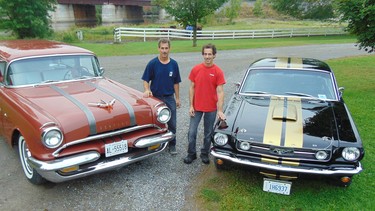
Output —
<point x="163" y="77"/>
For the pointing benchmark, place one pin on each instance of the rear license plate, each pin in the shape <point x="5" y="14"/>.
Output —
<point x="277" y="186"/>
<point x="116" y="148"/>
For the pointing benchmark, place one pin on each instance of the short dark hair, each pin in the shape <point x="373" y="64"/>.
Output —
<point x="209" y="46"/>
<point x="164" y="40"/>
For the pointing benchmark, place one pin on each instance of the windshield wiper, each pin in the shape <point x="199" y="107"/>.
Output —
<point x="300" y="94"/>
<point x="256" y="92"/>
<point x="85" y="77"/>
<point x="48" y="81"/>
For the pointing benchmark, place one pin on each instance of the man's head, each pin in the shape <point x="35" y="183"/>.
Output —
<point x="209" y="46"/>
<point x="209" y="54"/>
<point x="164" y="47"/>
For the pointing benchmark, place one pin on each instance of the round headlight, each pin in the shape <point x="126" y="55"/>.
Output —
<point x="220" y="139"/>
<point x="321" y="155"/>
<point x="351" y="153"/>
<point x="52" y="138"/>
<point x="164" y="114"/>
<point x="244" y="145"/>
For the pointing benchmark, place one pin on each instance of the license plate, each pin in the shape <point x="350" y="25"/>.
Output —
<point x="277" y="186"/>
<point x="116" y="148"/>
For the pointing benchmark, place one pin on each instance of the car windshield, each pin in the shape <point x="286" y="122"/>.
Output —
<point x="301" y="83"/>
<point x="51" y="69"/>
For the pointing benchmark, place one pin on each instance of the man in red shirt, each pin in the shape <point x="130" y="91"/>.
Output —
<point x="206" y="97"/>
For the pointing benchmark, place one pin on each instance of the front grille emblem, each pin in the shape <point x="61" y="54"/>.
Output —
<point x="281" y="151"/>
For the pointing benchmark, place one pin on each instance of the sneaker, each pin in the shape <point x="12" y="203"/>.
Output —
<point x="205" y="158"/>
<point x="189" y="159"/>
<point x="172" y="150"/>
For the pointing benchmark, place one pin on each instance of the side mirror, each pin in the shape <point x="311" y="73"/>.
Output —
<point x="341" y="91"/>
<point x="237" y="85"/>
<point x="101" y="71"/>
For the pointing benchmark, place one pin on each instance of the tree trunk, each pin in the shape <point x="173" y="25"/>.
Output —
<point x="195" y="35"/>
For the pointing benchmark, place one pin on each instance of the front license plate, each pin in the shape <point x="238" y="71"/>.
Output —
<point x="116" y="148"/>
<point x="277" y="186"/>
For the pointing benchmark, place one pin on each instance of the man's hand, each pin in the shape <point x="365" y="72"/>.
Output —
<point x="147" y="93"/>
<point x="221" y="115"/>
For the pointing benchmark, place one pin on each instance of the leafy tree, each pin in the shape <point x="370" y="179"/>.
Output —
<point x="232" y="11"/>
<point x="190" y="12"/>
<point x="27" y="18"/>
<point x="360" y="15"/>
<point x="305" y="9"/>
<point x="258" y="10"/>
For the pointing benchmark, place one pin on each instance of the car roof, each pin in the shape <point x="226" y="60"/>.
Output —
<point x="15" y="49"/>
<point x="291" y="63"/>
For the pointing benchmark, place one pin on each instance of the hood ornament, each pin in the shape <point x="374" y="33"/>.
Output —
<point x="104" y="104"/>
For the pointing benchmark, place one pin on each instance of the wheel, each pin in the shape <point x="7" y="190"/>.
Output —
<point x="33" y="176"/>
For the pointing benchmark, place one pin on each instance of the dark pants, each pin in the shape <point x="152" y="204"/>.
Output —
<point x="208" y="124"/>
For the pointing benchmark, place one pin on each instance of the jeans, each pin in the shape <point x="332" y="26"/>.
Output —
<point x="208" y="124"/>
<point x="171" y="104"/>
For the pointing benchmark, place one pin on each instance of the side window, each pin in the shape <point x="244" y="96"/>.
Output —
<point x="2" y="71"/>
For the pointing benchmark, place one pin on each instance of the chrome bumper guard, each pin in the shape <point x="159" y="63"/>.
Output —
<point x="48" y="169"/>
<point x="294" y="169"/>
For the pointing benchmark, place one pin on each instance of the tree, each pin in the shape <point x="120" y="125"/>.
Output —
<point x="258" y="10"/>
<point x="27" y="18"/>
<point x="232" y="11"/>
<point x="190" y="12"/>
<point x="305" y="9"/>
<point x="360" y="15"/>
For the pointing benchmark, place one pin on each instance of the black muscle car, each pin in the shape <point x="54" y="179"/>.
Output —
<point x="288" y="118"/>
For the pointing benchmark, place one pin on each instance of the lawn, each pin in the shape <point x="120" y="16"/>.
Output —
<point x="141" y="48"/>
<point x="241" y="189"/>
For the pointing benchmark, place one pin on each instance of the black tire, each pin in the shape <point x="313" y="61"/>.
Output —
<point x="31" y="174"/>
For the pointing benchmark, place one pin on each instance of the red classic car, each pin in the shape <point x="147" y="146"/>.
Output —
<point x="67" y="120"/>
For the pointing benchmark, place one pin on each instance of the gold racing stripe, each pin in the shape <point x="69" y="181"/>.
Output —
<point x="296" y="63"/>
<point x="294" y="124"/>
<point x="281" y="62"/>
<point x="272" y="130"/>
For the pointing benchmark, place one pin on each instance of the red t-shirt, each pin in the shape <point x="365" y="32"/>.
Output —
<point x="206" y="80"/>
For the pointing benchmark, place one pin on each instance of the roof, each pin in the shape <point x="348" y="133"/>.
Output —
<point x="14" y="49"/>
<point x="291" y="63"/>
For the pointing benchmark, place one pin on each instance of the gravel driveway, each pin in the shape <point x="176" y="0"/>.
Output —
<point x="162" y="182"/>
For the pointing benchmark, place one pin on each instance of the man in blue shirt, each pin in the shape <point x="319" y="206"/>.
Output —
<point x="161" y="79"/>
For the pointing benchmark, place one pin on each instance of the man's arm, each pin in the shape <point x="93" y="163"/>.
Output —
<point x="177" y="94"/>
<point x="146" y="87"/>
<point x="191" y="99"/>
<point x="220" y="102"/>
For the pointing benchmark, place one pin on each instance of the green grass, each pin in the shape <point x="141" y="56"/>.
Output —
<point x="150" y="47"/>
<point x="240" y="189"/>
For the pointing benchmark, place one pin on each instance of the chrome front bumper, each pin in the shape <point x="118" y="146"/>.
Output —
<point x="283" y="168"/>
<point x="49" y="169"/>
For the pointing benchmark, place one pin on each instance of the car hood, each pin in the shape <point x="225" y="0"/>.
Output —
<point x="87" y="107"/>
<point x="283" y="121"/>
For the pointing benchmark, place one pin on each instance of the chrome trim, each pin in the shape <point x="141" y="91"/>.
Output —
<point x="152" y="140"/>
<point x="103" y="166"/>
<point x="105" y="135"/>
<point x="57" y="164"/>
<point x="294" y="169"/>
<point x="48" y="130"/>
<point x="47" y="124"/>
<point x="159" y="111"/>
